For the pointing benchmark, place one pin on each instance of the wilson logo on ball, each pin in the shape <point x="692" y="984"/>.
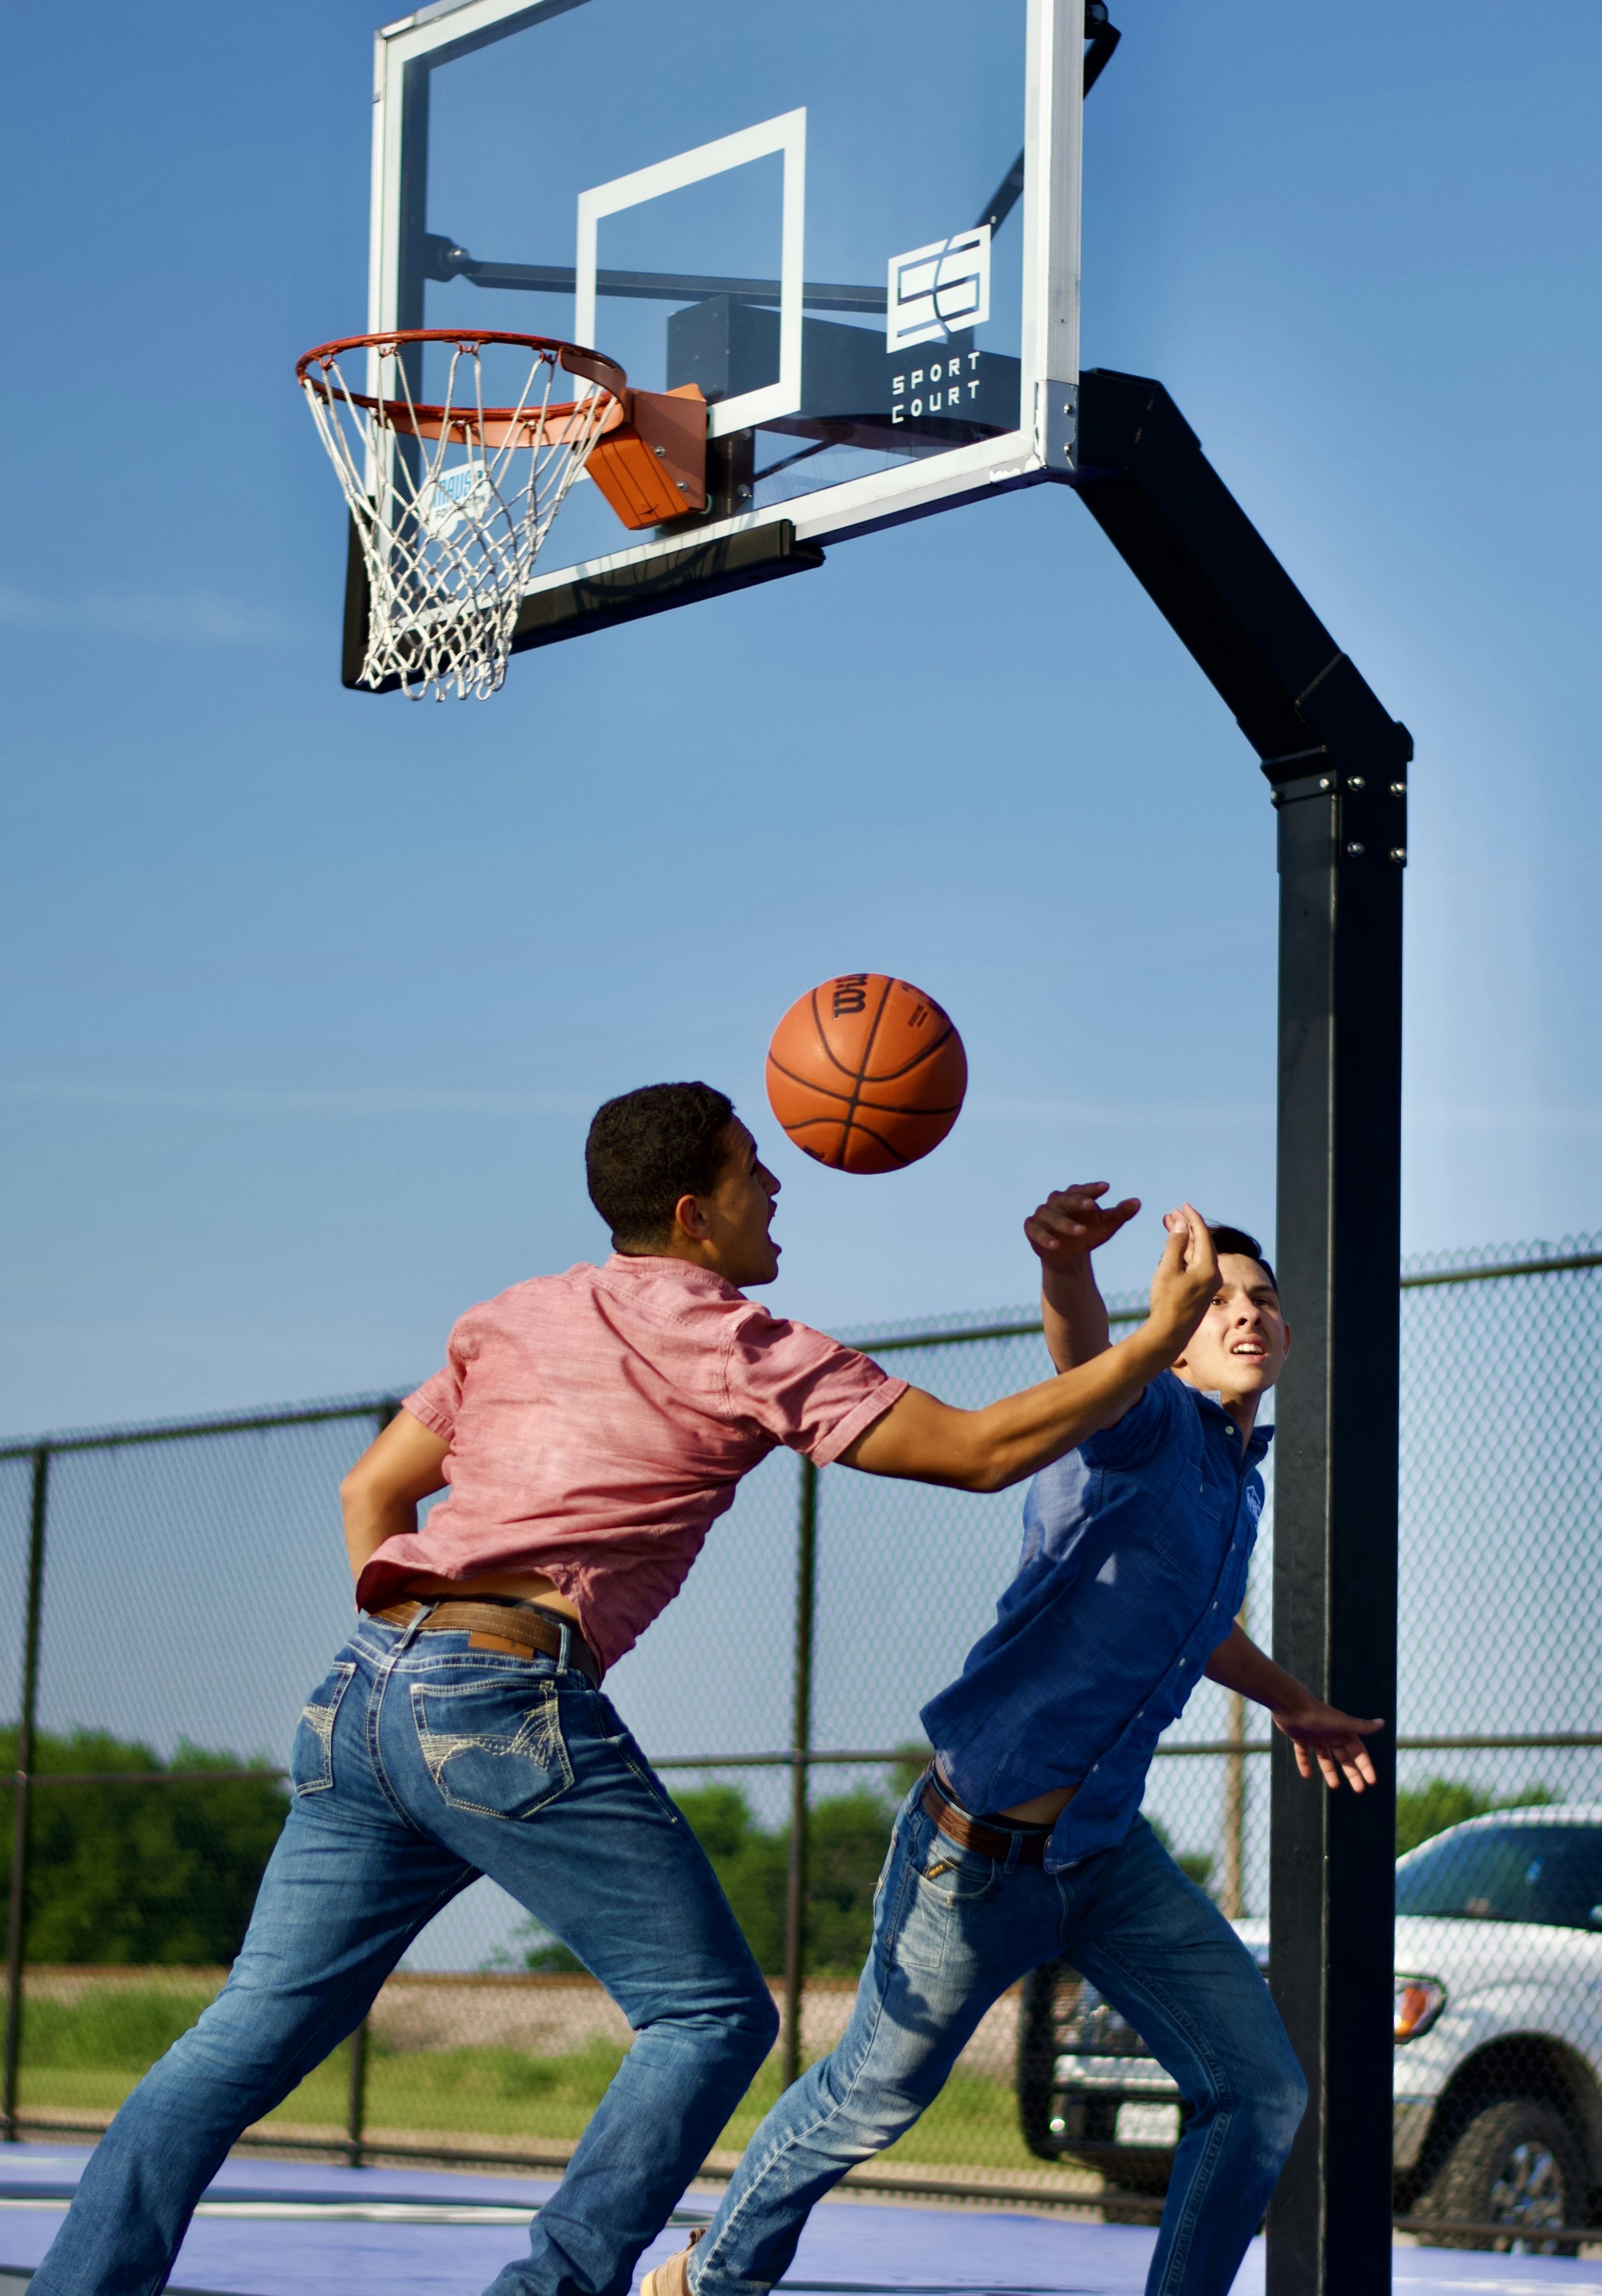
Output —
<point x="866" y="1073"/>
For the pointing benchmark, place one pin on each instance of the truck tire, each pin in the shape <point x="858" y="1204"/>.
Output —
<point x="1517" y="2163"/>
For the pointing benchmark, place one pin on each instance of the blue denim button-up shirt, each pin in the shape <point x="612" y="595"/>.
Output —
<point x="1134" y="1565"/>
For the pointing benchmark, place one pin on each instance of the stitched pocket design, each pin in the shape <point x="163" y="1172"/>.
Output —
<point x="942" y="1882"/>
<point x="493" y="1745"/>
<point x="311" y="1758"/>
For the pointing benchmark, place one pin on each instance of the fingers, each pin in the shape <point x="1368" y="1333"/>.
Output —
<point x="1336" y="1745"/>
<point x="1200" y="1258"/>
<point x="1071" y="1221"/>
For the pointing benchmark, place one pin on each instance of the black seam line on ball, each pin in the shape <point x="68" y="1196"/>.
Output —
<point x="889" y="1146"/>
<point x="810" y="1084"/>
<point x="867" y="1054"/>
<point x="824" y="1045"/>
<point x="889" y="1076"/>
<point x="927" y="1052"/>
<point x="878" y="1107"/>
<point x="904" y="1108"/>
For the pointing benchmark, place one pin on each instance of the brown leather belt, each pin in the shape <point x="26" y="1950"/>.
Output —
<point x="514" y="1626"/>
<point x="972" y="1833"/>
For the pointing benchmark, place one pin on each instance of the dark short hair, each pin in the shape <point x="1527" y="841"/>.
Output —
<point x="647" y="1149"/>
<point x="1237" y="1239"/>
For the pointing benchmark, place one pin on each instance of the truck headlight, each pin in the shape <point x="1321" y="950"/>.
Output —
<point x="1419" y="2001"/>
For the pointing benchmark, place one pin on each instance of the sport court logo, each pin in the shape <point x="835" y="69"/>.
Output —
<point x="936" y="290"/>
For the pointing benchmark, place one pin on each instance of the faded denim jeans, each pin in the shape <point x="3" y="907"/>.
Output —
<point x="952" y="1929"/>
<point x="419" y="1765"/>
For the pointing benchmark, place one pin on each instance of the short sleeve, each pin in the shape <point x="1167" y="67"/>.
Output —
<point x="1141" y="1434"/>
<point x="805" y="1390"/>
<point x="439" y="1399"/>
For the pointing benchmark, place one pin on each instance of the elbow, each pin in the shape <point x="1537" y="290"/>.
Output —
<point x="356" y="1488"/>
<point x="989" y="1469"/>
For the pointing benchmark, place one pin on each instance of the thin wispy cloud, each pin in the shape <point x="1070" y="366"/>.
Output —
<point x="260" y="1100"/>
<point x="1237" y="1116"/>
<point x="1441" y="1116"/>
<point x="180" y="618"/>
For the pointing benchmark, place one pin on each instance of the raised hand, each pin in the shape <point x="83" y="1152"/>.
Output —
<point x="1186" y="1283"/>
<point x="1072" y="1223"/>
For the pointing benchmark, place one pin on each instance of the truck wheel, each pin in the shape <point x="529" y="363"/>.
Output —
<point x="1515" y="2163"/>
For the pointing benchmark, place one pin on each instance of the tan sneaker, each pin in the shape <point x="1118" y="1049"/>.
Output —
<point x="671" y="2278"/>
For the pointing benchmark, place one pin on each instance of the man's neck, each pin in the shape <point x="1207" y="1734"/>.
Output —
<point x="1240" y="1408"/>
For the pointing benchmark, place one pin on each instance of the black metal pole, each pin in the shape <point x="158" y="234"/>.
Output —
<point x="1335" y="1497"/>
<point x="800" y="1747"/>
<point x="1338" y="767"/>
<point x="15" y="1936"/>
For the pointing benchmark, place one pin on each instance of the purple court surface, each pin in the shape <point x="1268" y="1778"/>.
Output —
<point x="280" y="2229"/>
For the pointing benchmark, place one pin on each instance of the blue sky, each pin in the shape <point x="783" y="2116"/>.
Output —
<point x="311" y="995"/>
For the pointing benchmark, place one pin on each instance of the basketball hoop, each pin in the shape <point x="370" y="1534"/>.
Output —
<point x="453" y="500"/>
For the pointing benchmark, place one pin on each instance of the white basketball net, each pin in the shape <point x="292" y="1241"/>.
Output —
<point x="452" y="501"/>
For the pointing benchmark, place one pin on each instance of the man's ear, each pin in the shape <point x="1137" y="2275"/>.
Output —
<point x="690" y="1219"/>
<point x="1285" y="1328"/>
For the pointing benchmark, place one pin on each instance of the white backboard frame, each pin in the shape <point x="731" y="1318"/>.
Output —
<point x="1044" y="445"/>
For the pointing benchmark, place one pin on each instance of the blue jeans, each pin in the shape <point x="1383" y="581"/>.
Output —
<point x="419" y="1765"/>
<point x="952" y="1929"/>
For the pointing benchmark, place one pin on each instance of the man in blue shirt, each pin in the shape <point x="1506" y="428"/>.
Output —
<point x="1025" y="1840"/>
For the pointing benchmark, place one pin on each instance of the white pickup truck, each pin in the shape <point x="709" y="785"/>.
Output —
<point x="1497" y="2093"/>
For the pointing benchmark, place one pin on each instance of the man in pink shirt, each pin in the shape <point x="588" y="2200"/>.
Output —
<point x="590" y="1427"/>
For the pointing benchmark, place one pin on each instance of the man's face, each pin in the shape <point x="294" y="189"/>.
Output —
<point x="1239" y="1347"/>
<point x="739" y="1213"/>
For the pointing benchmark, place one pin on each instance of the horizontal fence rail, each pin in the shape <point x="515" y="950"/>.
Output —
<point x="126" y="1705"/>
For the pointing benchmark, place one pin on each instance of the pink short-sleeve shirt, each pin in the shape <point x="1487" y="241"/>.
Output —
<point x="598" y="1423"/>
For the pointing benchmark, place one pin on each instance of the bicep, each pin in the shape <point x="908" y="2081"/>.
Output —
<point x="919" y="1438"/>
<point x="406" y="1462"/>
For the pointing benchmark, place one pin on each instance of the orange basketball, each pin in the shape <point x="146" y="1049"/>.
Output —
<point x="866" y="1073"/>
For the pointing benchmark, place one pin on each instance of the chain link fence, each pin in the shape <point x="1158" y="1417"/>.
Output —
<point x="177" y="1588"/>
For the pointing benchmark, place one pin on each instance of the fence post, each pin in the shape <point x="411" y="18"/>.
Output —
<point x="355" y="2112"/>
<point x="14" y="1940"/>
<point x="800" y="1748"/>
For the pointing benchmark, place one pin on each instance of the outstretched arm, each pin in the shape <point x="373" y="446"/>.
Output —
<point x="928" y="1442"/>
<point x="380" y="1495"/>
<point x="1319" y="1734"/>
<point x="1063" y="1232"/>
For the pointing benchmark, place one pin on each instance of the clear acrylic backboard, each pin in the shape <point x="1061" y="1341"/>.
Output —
<point x="853" y="226"/>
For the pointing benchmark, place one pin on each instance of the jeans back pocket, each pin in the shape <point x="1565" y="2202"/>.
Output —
<point x="493" y="1743"/>
<point x="311" y="1758"/>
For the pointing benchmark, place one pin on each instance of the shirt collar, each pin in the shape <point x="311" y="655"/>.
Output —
<point x="643" y="1266"/>
<point x="1208" y="1400"/>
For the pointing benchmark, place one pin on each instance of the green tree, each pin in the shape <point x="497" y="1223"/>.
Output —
<point x="138" y="1874"/>
<point x="752" y="1865"/>
<point x="848" y="1837"/>
<point x="1423" y="1811"/>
